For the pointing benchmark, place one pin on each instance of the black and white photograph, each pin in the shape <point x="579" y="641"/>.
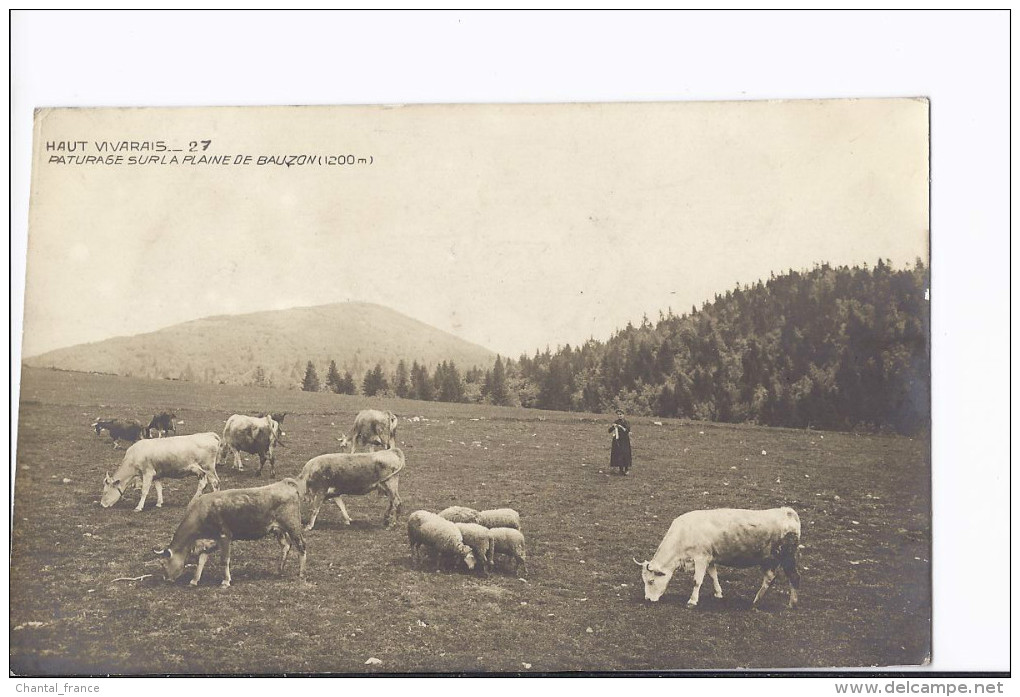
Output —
<point x="562" y="387"/>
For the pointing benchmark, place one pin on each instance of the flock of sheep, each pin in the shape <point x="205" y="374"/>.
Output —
<point x="464" y="534"/>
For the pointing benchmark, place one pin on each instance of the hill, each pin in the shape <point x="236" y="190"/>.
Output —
<point x="833" y="348"/>
<point x="229" y="348"/>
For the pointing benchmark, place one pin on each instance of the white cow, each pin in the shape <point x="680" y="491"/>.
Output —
<point x="332" y="475"/>
<point x="256" y="436"/>
<point x="373" y="429"/>
<point x="731" y="537"/>
<point x="148" y="461"/>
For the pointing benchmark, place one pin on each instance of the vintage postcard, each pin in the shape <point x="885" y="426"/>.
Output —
<point x="593" y="387"/>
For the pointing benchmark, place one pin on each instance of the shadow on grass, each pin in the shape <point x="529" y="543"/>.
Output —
<point x="728" y="604"/>
<point x="430" y="567"/>
<point x="368" y="525"/>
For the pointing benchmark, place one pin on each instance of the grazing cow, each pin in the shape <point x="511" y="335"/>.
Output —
<point x="216" y="519"/>
<point x="330" y="476"/>
<point x="726" y="537"/>
<point x="149" y="461"/>
<point x="120" y="429"/>
<point x="247" y="434"/>
<point x="373" y="428"/>
<point x="162" y="423"/>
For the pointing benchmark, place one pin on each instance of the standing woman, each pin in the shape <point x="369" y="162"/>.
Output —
<point x="620" y="454"/>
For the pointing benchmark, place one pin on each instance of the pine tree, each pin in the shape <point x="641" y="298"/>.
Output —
<point x="499" y="394"/>
<point x="347" y="385"/>
<point x="438" y="377"/>
<point x="557" y="385"/>
<point x="379" y="376"/>
<point x="333" y="379"/>
<point x="369" y="387"/>
<point x="375" y="382"/>
<point x="311" y="381"/>
<point x="401" y="381"/>
<point x="421" y="383"/>
<point x="448" y="383"/>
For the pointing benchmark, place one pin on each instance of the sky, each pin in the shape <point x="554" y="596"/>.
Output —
<point x="512" y="226"/>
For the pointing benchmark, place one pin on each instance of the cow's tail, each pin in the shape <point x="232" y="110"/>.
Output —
<point x="214" y="479"/>
<point x="394" y="422"/>
<point x="391" y="475"/>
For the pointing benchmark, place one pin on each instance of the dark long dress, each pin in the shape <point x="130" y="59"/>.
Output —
<point x="620" y="454"/>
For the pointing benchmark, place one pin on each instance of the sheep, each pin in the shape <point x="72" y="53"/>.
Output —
<point x="459" y="514"/>
<point x="509" y="541"/>
<point x="414" y="524"/>
<point x="415" y="538"/>
<point x="438" y="534"/>
<point x="500" y="518"/>
<point x="478" y="539"/>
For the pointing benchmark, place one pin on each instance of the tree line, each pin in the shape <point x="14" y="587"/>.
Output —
<point x="445" y="383"/>
<point x="832" y="348"/>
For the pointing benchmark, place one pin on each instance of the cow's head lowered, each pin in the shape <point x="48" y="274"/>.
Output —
<point x="113" y="489"/>
<point x="655" y="578"/>
<point x="172" y="563"/>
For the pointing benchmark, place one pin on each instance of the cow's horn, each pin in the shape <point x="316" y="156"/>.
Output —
<point x="158" y="551"/>
<point x="639" y="563"/>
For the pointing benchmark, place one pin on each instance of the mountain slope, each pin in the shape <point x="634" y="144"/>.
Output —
<point x="832" y="347"/>
<point x="229" y="348"/>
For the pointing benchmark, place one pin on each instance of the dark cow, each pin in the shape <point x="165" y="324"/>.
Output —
<point x="120" y="429"/>
<point x="372" y="429"/>
<point x="215" y="520"/>
<point x="330" y="476"/>
<point x="256" y="436"/>
<point x="162" y="423"/>
<point x="732" y="537"/>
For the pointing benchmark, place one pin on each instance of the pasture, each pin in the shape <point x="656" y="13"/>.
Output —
<point x="863" y="500"/>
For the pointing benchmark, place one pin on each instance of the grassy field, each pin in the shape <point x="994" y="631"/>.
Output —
<point x="863" y="501"/>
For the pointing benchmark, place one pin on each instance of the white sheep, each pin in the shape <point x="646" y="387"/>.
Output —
<point x="509" y="541"/>
<point x="425" y="529"/>
<point x="477" y="537"/>
<point x="459" y="514"/>
<point x="500" y="518"/>
<point x="414" y="536"/>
